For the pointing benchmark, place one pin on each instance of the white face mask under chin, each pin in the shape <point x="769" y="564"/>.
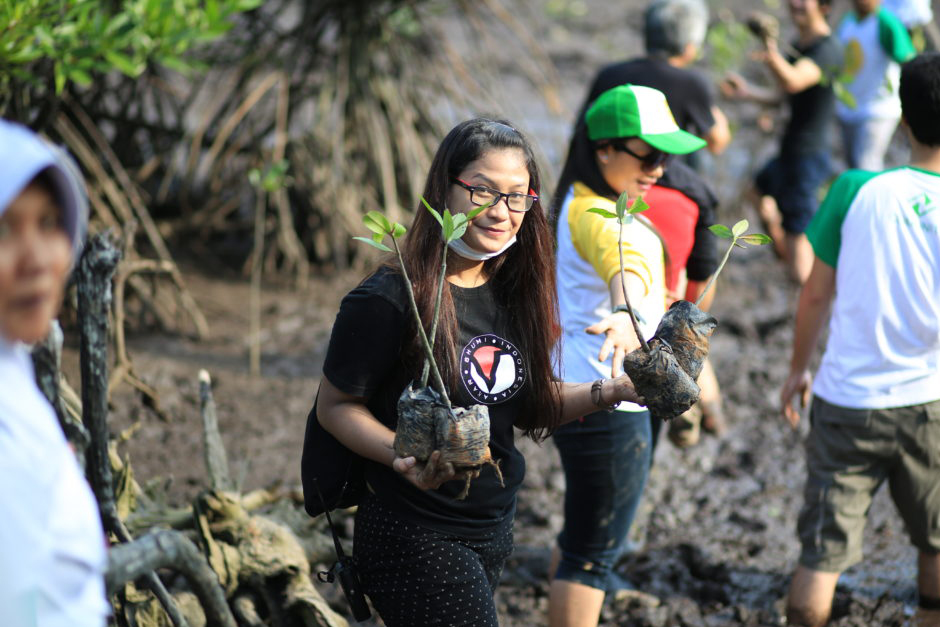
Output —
<point x="461" y="248"/>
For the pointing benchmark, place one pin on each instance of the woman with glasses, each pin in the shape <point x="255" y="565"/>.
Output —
<point x="623" y="144"/>
<point x="424" y="556"/>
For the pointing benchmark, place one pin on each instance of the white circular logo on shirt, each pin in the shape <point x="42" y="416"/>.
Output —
<point x="492" y="369"/>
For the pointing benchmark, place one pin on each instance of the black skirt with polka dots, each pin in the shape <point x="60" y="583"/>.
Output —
<point x="418" y="577"/>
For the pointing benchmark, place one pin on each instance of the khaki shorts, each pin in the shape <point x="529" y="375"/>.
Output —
<point x="849" y="454"/>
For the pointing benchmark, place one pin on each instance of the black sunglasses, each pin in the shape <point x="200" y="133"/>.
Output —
<point x="650" y="161"/>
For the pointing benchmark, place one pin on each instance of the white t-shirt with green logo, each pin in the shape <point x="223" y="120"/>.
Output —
<point x="881" y="232"/>
<point x="874" y="47"/>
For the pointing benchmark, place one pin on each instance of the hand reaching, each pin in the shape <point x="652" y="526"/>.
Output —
<point x="621" y="339"/>
<point x="734" y="87"/>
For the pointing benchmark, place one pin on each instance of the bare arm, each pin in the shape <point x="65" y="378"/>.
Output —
<point x="793" y="77"/>
<point x="811" y="314"/>
<point x="347" y="418"/>
<point x="719" y="135"/>
<point x="621" y="337"/>
<point x="736" y="87"/>
<point x="576" y="397"/>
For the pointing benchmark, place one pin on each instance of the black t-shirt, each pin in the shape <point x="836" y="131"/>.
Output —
<point x="365" y="359"/>
<point x="812" y="109"/>
<point x="688" y="92"/>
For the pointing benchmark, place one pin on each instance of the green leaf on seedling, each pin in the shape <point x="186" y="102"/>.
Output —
<point x="370" y="242"/>
<point x="602" y="212"/>
<point x="448" y="225"/>
<point x="721" y="231"/>
<point x="377" y="223"/>
<point x="740" y="228"/>
<point x="639" y="205"/>
<point x="472" y="214"/>
<point x="757" y="239"/>
<point x="458" y="232"/>
<point x="621" y="206"/>
<point x="437" y="216"/>
<point x="398" y="230"/>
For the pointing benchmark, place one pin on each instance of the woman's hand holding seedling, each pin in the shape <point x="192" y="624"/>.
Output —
<point x="621" y="389"/>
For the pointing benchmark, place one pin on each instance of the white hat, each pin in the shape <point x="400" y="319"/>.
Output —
<point x="23" y="155"/>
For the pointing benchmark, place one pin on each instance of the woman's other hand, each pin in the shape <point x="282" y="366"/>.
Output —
<point x="621" y="339"/>
<point x="427" y="476"/>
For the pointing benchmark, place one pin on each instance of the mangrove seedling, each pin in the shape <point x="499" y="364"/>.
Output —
<point x="739" y="237"/>
<point x="427" y="421"/>
<point x="624" y="216"/>
<point x="665" y="368"/>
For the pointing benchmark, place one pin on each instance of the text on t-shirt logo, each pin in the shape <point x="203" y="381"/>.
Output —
<point x="492" y="369"/>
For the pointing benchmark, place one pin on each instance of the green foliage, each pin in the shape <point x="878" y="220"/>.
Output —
<point x="624" y="214"/>
<point x="728" y="42"/>
<point x="453" y="226"/>
<point x="737" y="234"/>
<point x="566" y="9"/>
<point x="81" y="38"/>
<point x="272" y="179"/>
<point x="380" y="227"/>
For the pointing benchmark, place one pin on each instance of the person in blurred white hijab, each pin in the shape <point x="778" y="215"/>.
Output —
<point x="52" y="547"/>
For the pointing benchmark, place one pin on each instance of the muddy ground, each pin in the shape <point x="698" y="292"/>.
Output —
<point x="715" y="538"/>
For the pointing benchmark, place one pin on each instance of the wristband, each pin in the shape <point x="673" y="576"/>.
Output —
<point x="597" y="399"/>
<point x="625" y="309"/>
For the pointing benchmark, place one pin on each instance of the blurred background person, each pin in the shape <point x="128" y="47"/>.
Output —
<point x="875" y="43"/>
<point x="917" y="17"/>
<point x="52" y="547"/>
<point x="787" y="188"/>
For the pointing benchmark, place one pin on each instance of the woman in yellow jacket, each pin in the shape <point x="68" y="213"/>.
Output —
<point x="624" y="143"/>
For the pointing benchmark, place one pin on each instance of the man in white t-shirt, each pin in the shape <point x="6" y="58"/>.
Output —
<point x="52" y="547"/>
<point x="876" y="406"/>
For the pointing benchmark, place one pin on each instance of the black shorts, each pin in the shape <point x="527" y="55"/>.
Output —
<point x="418" y="577"/>
<point x="794" y="182"/>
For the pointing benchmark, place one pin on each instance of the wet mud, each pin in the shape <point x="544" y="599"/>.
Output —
<point x="714" y="541"/>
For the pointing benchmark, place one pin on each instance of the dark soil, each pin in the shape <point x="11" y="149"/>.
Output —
<point x="715" y="539"/>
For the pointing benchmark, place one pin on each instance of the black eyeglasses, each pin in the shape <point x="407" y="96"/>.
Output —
<point x="649" y="161"/>
<point x="480" y="195"/>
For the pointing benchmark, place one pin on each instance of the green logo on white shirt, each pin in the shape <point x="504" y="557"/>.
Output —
<point x="923" y="205"/>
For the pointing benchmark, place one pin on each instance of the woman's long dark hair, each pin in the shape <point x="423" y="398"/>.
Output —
<point x="522" y="278"/>
<point x="580" y="166"/>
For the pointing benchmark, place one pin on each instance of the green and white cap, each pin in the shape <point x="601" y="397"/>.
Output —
<point x="637" y="111"/>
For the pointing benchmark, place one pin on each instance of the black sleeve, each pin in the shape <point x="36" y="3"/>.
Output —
<point x="703" y="260"/>
<point x="828" y="56"/>
<point x="365" y="344"/>
<point x="681" y="177"/>
<point x="698" y="104"/>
